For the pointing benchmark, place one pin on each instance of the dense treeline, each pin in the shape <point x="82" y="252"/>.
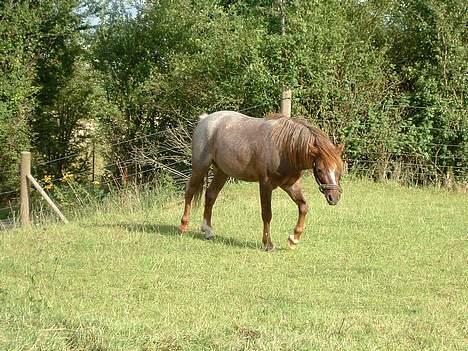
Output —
<point x="388" y="78"/>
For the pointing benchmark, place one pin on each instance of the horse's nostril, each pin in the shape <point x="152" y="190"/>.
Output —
<point x="329" y="198"/>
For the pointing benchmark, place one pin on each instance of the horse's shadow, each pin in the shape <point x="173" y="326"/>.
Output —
<point x="172" y="230"/>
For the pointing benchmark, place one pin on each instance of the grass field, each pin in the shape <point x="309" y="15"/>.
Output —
<point x="386" y="269"/>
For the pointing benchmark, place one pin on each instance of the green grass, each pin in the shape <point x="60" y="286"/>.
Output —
<point x="383" y="270"/>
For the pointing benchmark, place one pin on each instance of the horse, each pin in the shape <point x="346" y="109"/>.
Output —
<point x="273" y="151"/>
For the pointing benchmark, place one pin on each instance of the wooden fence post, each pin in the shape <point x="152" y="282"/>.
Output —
<point x="26" y="180"/>
<point x="93" y="151"/>
<point x="286" y="95"/>
<point x="47" y="198"/>
<point x="25" y="170"/>
<point x="286" y="102"/>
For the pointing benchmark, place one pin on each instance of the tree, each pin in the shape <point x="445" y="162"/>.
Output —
<point x="59" y="108"/>
<point x="429" y="51"/>
<point x="18" y="23"/>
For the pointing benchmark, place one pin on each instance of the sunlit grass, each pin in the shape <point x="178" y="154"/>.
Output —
<point x="385" y="269"/>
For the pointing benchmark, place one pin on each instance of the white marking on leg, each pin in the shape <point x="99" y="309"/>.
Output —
<point x="209" y="233"/>
<point x="293" y="239"/>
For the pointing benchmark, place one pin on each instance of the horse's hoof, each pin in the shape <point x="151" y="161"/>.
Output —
<point x="291" y="245"/>
<point x="269" y="248"/>
<point x="292" y="242"/>
<point x="183" y="228"/>
<point x="209" y="232"/>
<point x="209" y="235"/>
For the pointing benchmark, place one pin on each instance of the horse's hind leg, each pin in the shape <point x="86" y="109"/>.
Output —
<point x="219" y="179"/>
<point x="201" y="161"/>
<point x="194" y="186"/>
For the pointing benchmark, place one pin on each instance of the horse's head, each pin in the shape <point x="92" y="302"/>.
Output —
<point x="327" y="172"/>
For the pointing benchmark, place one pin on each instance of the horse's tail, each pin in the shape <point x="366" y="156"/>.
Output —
<point x="197" y="195"/>
<point x="204" y="180"/>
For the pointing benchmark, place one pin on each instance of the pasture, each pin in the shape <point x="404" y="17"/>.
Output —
<point x="383" y="270"/>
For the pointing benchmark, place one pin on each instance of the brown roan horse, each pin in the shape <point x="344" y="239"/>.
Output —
<point x="273" y="151"/>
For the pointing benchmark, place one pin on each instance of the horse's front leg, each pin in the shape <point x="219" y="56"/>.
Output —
<point x="265" y="200"/>
<point x="295" y="193"/>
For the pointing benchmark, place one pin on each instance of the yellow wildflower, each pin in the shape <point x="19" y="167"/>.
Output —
<point x="48" y="185"/>
<point x="67" y="177"/>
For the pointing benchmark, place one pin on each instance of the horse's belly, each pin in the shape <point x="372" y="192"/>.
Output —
<point x="238" y="162"/>
<point x="243" y="176"/>
<point x="235" y="170"/>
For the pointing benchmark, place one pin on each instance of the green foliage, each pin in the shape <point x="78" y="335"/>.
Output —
<point x="17" y="89"/>
<point x="429" y="50"/>
<point x="70" y="191"/>
<point x="387" y="78"/>
<point x="67" y="90"/>
<point x="70" y="121"/>
<point x="46" y="91"/>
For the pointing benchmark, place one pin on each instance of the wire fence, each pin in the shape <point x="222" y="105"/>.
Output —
<point x="389" y="164"/>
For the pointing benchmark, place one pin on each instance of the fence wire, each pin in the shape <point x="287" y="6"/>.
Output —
<point x="8" y="192"/>
<point x="391" y="162"/>
<point x="9" y="208"/>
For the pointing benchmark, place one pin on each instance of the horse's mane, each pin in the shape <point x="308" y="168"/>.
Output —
<point x="298" y="141"/>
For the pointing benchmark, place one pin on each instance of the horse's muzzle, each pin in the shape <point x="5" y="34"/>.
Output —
<point x="331" y="192"/>
<point x="331" y="199"/>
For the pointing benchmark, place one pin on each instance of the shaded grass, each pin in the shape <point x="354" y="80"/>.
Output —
<point x="385" y="269"/>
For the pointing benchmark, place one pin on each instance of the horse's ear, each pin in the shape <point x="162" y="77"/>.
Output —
<point x="340" y="148"/>
<point x="313" y="149"/>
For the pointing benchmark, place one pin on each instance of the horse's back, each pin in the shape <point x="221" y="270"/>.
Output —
<point x="233" y="141"/>
<point x="219" y="123"/>
<point x="223" y="119"/>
